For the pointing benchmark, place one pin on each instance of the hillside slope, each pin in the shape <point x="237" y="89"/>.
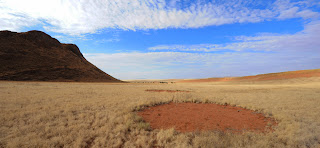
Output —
<point x="262" y="77"/>
<point x="36" y="56"/>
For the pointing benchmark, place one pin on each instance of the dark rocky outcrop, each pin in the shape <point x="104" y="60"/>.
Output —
<point x="36" y="56"/>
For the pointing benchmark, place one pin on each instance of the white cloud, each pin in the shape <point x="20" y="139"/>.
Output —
<point x="79" y="17"/>
<point x="198" y="47"/>
<point x="290" y="52"/>
<point x="10" y="20"/>
<point x="115" y="37"/>
<point x="306" y="40"/>
<point x="308" y="14"/>
<point x="164" y="65"/>
<point x="289" y="13"/>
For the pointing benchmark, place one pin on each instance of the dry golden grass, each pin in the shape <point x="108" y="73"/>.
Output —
<point x="41" y="114"/>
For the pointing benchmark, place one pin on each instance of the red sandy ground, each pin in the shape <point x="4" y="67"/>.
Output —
<point x="270" y="76"/>
<point x="160" y="90"/>
<point x="189" y="117"/>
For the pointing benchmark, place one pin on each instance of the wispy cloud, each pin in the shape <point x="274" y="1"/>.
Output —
<point x="306" y="40"/>
<point x="71" y="39"/>
<point x="164" y="65"/>
<point x="198" y="47"/>
<point x="79" y="17"/>
<point x="115" y="37"/>
<point x="290" y="52"/>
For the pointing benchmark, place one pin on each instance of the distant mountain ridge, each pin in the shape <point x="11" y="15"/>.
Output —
<point x="36" y="56"/>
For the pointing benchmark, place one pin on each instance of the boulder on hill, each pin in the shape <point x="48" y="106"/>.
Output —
<point x="36" y="56"/>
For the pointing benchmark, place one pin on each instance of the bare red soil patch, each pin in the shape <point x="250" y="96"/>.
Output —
<point x="160" y="90"/>
<point x="189" y="117"/>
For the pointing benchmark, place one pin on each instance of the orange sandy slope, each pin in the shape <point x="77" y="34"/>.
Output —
<point x="261" y="77"/>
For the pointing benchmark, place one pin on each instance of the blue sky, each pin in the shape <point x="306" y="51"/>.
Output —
<point x="162" y="39"/>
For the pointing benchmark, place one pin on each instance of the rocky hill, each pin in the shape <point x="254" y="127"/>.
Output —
<point x="36" y="56"/>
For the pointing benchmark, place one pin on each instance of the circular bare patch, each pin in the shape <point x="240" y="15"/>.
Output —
<point x="189" y="117"/>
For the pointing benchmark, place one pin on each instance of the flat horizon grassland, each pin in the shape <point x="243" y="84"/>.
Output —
<point x="62" y="114"/>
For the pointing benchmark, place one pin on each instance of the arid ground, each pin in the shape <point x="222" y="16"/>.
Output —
<point x="72" y="114"/>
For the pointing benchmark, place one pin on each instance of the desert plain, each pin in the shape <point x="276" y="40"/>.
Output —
<point x="81" y="114"/>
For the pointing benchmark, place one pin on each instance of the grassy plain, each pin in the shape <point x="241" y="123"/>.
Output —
<point x="57" y="114"/>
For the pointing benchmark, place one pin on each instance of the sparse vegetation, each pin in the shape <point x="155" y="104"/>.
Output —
<point x="43" y="114"/>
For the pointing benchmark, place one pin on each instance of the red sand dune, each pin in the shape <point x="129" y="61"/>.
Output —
<point x="36" y="56"/>
<point x="189" y="117"/>
<point x="262" y="77"/>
